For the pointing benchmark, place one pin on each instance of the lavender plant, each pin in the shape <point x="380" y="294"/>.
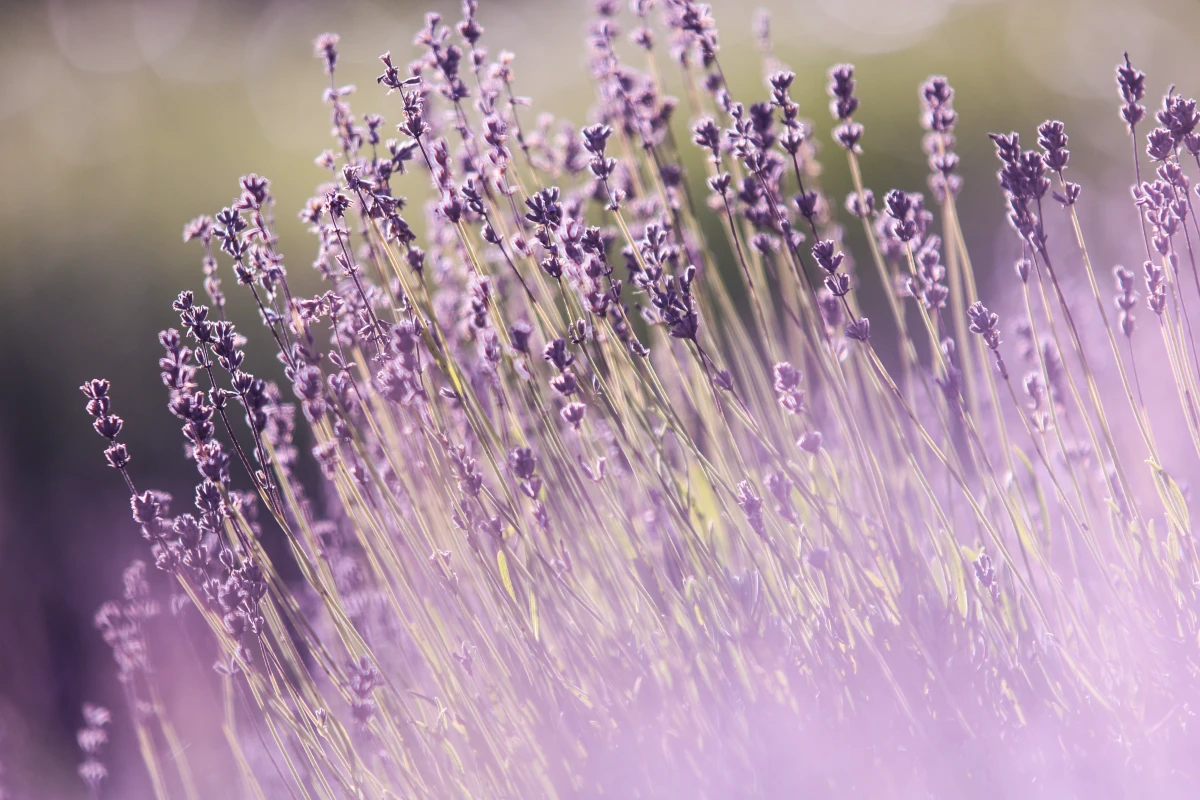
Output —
<point x="619" y="494"/>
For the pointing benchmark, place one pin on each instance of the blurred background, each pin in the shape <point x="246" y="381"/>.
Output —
<point x="122" y="120"/>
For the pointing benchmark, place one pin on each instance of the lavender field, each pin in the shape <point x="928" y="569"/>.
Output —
<point x="619" y="399"/>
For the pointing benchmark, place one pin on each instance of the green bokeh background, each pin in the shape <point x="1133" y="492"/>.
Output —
<point x="121" y="120"/>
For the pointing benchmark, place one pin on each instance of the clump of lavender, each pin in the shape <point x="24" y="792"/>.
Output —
<point x="92" y="738"/>
<point x="601" y="515"/>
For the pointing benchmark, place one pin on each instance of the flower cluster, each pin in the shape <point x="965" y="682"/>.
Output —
<point x="568" y="484"/>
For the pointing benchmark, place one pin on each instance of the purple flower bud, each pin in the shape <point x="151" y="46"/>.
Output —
<point x="573" y="413"/>
<point x="859" y="330"/>
<point x="1052" y="138"/>
<point x="1191" y="143"/>
<point x="565" y="383"/>
<point x="325" y="48"/>
<point x="792" y="140"/>
<point x="826" y="255"/>
<point x="557" y="354"/>
<point x="720" y="183"/>
<point x="1008" y="148"/>
<point x="595" y="138"/>
<point x="146" y="508"/>
<point x="707" y="135"/>
<point x="841" y="90"/>
<point x="848" y="135"/>
<point x="838" y="285"/>
<point x="1131" y="82"/>
<point x="1159" y="144"/>
<point x="117" y="456"/>
<point x="522" y="463"/>
<point x="108" y="426"/>
<point x="1179" y="116"/>
<point x="936" y="96"/>
<point x="806" y="204"/>
<point x="985" y="323"/>
<point x="545" y="208"/>
<point x="787" y="378"/>
<point x="863" y="206"/>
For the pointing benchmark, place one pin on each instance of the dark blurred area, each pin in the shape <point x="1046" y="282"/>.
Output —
<point x="122" y="120"/>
